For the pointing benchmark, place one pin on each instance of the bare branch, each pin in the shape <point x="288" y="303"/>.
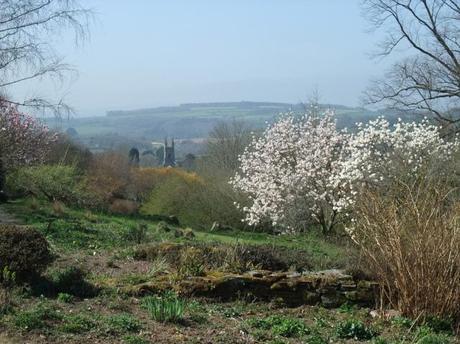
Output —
<point x="25" y="51"/>
<point x="429" y="81"/>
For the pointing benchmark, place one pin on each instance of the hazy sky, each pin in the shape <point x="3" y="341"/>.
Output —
<point x="145" y="53"/>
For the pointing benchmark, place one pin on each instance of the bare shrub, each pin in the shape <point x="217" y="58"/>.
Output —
<point x="108" y="176"/>
<point x="123" y="207"/>
<point x="410" y="236"/>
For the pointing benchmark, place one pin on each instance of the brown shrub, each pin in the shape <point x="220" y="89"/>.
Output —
<point x="123" y="207"/>
<point x="68" y="152"/>
<point x="24" y="251"/>
<point x="410" y="236"/>
<point x="108" y="176"/>
<point x="230" y="258"/>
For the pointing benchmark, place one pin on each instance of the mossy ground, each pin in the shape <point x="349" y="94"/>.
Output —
<point x="102" y="245"/>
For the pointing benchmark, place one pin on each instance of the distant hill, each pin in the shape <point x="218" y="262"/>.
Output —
<point x="194" y="120"/>
<point x="190" y="121"/>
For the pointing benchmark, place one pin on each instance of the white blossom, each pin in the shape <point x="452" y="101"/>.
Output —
<point x="303" y="170"/>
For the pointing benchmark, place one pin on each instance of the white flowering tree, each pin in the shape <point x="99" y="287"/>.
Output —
<point x="306" y="171"/>
<point x="289" y="173"/>
<point x="380" y="152"/>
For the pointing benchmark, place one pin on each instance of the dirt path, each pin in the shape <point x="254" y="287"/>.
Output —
<point x="6" y="218"/>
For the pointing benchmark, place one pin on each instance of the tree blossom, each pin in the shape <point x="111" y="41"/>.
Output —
<point x="23" y="139"/>
<point x="289" y="173"/>
<point x="303" y="171"/>
<point x="379" y="152"/>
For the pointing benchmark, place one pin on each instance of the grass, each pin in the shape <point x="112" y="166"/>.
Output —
<point x="76" y="230"/>
<point x="204" y="321"/>
<point x="74" y="313"/>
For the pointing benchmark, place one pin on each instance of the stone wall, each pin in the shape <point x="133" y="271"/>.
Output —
<point x="329" y="288"/>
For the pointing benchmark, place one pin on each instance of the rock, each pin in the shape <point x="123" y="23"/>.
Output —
<point x="188" y="233"/>
<point x="293" y="289"/>
<point x="374" y="313"/>
<point x="332" y="300"/>
<point x="386" y="314"/>
<point x="256" y="273"/>
<point x="311" y="298"/>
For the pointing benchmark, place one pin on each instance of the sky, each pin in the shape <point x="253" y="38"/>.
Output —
<point x="147" y="53"/>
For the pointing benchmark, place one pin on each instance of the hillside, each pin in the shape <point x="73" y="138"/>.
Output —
<point x="195" y="120"/>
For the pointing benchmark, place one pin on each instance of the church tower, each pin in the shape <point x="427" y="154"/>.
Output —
<point x="169" y="154"/>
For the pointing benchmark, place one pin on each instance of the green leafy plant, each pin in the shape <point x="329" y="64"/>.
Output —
<point x="65" y="298"/>
<point x="123" y="323"/>
<point x="347" y="308"/>
<point x="355" y="329"/>
<point x="166" y="308"/>
<point x="281" y="325"/>
<point x="50" y="182"/>
<point x="7" y="283"/>
<point x="316" y="338"/>
<point x="79" y="323"/>
<point x="197" y="312"/>
<point x="136" y="234"/>
<point x="438" y="324"/>
<point x="130" y="339"/>
<point x="402" y="321"/>
<point x="37" y="317"/>
<point x="435" y="339"/>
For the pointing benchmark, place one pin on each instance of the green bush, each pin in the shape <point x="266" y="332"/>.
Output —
<point x="354" y="329"/>
<point x="50" y="182"/>
<point x="24" y="251"/>
<point x="36" y="318"/>
<point x="195" y="201"/>
<point x="167" y="308"/>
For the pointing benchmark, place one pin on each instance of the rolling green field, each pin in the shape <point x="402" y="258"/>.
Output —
<point x="195" y="120"/>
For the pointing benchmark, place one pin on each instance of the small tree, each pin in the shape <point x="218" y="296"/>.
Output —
<point x="23" y="139"/>
<point x="226" y="142"/>
<point x="304" y="171"/>
<point x="289" y="173"/>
